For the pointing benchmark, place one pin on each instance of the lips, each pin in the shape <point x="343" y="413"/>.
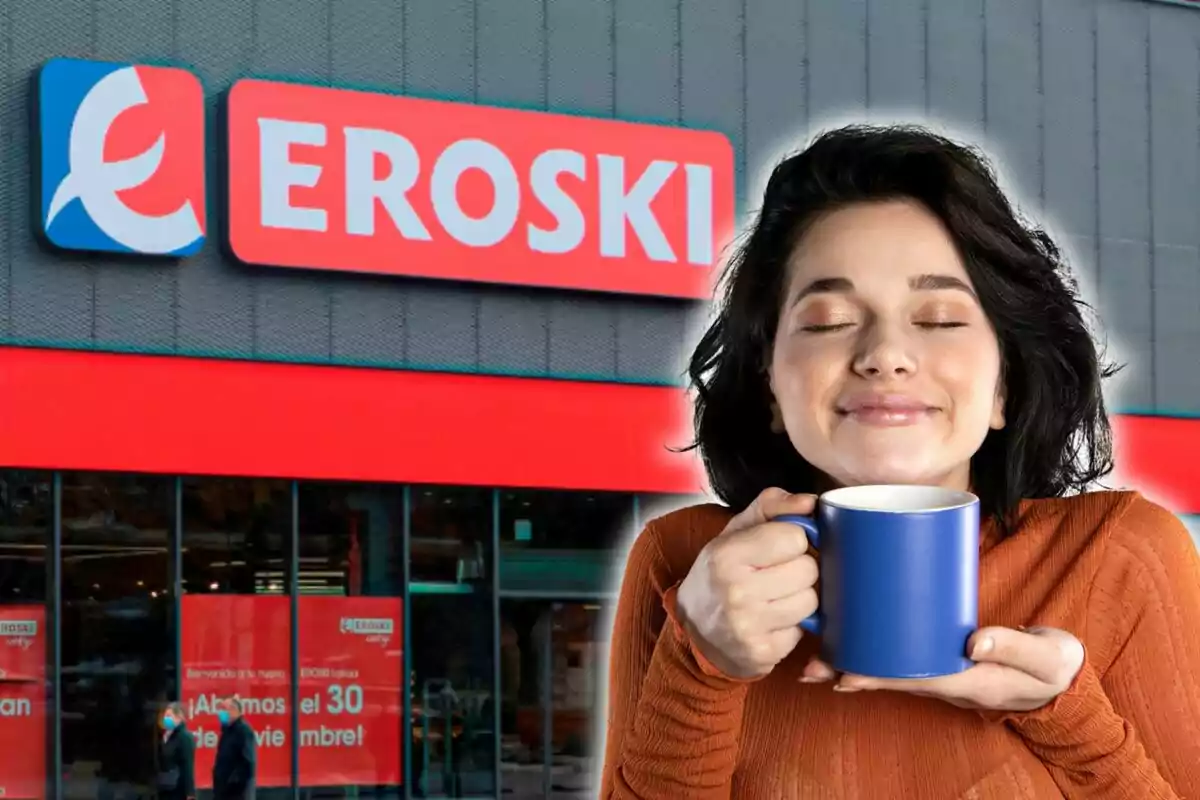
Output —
<point x="885" y="409"/>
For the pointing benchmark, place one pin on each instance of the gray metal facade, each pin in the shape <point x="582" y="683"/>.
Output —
<point x="1092" y="104"/>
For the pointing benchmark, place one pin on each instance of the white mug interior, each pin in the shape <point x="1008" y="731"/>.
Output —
<point x="898" y="499"/>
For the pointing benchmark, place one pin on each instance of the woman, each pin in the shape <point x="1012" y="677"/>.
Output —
<point x="888" y="319"/>
<point x="177" y="757"/>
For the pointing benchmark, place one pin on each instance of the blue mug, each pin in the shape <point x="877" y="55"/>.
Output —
<point x="899" y="579"/>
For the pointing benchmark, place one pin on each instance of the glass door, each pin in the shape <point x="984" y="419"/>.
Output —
<point x="553" y="669"/>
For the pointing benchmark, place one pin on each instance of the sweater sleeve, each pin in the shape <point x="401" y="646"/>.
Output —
<point x="1129" y="726"/>
<point x="673" y="718"/>
<point x="1154" y="678"/>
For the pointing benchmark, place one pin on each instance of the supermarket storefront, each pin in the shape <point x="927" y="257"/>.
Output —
<point x="373" y="392"/>
<point x="457" y="530"/>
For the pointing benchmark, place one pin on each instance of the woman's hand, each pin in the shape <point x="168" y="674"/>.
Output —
<point x="744" y="598"/>
<point x="1016" y="670"/>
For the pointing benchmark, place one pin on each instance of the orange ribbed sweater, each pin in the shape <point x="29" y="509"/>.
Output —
<point x="1118" y="571"/>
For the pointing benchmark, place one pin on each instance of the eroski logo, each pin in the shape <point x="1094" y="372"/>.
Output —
<point x="18" y="633"/>
<point x="122" y="157"/>
<point x="374" y="629"/>
<point x="367" y="627"/>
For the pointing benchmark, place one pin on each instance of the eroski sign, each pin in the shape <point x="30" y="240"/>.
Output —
<point x="121" y="158"/>
<point x="333" y="179"/>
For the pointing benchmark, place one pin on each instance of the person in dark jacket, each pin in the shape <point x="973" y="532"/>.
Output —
<point x="177" y="757"/>
<point x="234" y="767"/>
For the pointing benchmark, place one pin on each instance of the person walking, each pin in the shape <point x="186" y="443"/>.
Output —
<point x="236" y="759"/>
<point x="177" y="756"/>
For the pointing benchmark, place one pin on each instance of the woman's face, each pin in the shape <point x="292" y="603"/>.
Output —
<point x="884" y="367"/>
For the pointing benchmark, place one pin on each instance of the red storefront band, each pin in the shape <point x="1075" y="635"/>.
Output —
<point x="80" y="410"/>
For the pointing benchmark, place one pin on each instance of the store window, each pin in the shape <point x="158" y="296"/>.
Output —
<point x="117" y="630"/>
<point x="26" y="514"/>
<point x="561" y="544"/>
<point x="556" y="520"/>
<point x="553" y="664"/>
<point x="451" y="537"/>
<point x="559" y="562"/>
<point x="351" y="640"/>
<point x="452" y="635"/>
<point x="236" y="619"/>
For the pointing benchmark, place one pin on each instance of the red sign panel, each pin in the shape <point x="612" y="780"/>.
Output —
<point x="351" y="701"/>
<point x="343" y="180"/>
<point x="351" y="669"/>
<point x="22" y="702"/>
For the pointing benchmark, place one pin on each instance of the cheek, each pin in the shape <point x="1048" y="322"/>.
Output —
<point x="970" y="372"/>
<point x="805" y="376"/>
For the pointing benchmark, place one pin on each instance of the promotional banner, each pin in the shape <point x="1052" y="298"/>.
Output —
<point x="22" y="702"/>
<point x="238" y="644"/>
<point x="351" y="705"/>
<point x="351" y="663"/>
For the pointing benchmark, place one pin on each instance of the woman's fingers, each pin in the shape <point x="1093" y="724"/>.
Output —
<point x="779" y="581"/>
<point x="1050" y="655"/>
<point x="789" y="611"/>
<point x="817" y="671"/>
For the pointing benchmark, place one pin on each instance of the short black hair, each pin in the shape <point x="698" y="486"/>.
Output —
<point x="1057" y="438"/>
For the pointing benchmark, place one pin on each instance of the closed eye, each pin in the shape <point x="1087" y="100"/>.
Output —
<point x="928" y="325"/>
<point x="826" y="328"/>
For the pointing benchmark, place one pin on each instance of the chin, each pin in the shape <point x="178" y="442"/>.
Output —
<point x="899" y="456"/>
<point x="897" y="471"/>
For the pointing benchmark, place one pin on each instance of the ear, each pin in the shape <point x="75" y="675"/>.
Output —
<point x="776" y="419"/>
<point x="776" y="414"/>
<point x="998" y="421"/>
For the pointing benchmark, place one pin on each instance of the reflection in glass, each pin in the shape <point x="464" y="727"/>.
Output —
<point x="352" y="675"/>
<point x="553" y="662"/>
<point x="451" y="533"/>
<point x="579" y="658"/>
<point x="561" y="544"/>
<point x="451" y="634"/>
<point x="235" y="618"/>
<point x="564" y="520"/>
<point x="453" y="707"/>
<point x="118" y="641"/>
<point x="26" y="500"/>
<point x="523" y="638"/>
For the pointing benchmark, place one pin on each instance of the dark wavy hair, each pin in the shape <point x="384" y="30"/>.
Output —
<point x="1057" y="438"/>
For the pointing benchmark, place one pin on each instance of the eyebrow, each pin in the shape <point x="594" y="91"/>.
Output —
<point x="918" y="283"/>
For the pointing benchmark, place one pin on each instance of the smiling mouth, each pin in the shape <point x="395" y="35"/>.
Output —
<point x="887" y="415"/>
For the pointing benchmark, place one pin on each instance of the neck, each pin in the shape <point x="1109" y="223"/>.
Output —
<point x="958" y="479"/>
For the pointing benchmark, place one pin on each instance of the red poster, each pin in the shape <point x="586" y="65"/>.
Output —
<point x="22" y="702"/>
<point x="238" y="644"/>
<point x="351" y="706"/>
<point x="351" y="717"/>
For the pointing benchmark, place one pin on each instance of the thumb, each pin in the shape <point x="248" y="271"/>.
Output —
<point x="1047" y="654"/>
<point x="771" y="503"/>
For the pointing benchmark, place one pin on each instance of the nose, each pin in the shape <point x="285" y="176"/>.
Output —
<point x="884" y="351"/>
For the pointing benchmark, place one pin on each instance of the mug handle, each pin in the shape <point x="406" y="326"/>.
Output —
<point x="815" y="623"/>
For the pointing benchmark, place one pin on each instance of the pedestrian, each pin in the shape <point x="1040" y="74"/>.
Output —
<point x="177" y="756"/>
<point x="235" y="763"/>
